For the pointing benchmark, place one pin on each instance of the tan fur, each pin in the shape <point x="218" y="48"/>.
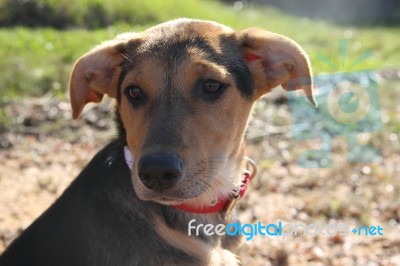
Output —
<point x="182" y="241"/>
<point x="207" y="254"/>
<point x="94" y="75"/>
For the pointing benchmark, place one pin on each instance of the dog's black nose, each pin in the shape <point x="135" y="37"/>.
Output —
<point x="160" y="171"/>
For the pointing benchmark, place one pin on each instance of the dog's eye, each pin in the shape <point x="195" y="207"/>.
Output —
<point x="210" y="90"/>
<point x="212" y="86"/>
<point x="135" y="95"/>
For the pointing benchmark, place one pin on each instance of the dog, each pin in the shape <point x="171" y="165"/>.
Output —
<point x="184" y="91"/>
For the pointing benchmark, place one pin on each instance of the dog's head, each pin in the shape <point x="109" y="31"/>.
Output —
<point x="184" y="91"/>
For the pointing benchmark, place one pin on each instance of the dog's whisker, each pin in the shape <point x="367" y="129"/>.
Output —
<point x="127" y="57"/>
<point x="214" y="159"/>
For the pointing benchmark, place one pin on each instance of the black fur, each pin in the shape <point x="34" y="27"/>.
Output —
<point x="97" y="221"/>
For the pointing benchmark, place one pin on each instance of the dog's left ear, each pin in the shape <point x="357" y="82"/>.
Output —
<point x="274" y="59"/>
<point x="95" y="74"/>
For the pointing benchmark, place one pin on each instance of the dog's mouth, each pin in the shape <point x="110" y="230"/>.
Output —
<point x="185" y="194"/>
<point x="197" y="201"/>
<point x="172" y="196"/>
<point x="168" y="201"/>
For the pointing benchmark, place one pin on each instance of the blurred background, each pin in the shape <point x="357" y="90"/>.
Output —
<point x="42" y="149"/>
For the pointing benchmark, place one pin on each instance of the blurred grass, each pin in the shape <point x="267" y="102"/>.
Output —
<point x="37" y="61"/>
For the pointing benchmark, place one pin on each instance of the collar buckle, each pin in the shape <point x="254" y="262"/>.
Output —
<point x="247" y="177"/>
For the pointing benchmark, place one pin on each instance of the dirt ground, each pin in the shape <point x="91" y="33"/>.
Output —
<point x="42" y="150"/>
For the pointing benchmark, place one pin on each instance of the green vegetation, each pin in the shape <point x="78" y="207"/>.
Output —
<point x="36" y="61"/>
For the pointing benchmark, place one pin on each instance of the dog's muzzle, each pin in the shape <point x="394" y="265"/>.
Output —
<point x="169" y="171"/>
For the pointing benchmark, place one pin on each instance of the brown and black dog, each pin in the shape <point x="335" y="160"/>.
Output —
<point x="184" y="91"/>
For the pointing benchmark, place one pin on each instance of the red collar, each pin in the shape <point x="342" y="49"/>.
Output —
<point x="223" y="204"/>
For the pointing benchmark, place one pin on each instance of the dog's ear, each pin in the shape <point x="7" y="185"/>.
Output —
<point x="274" y="60"/>
<point x="95" y="74"/>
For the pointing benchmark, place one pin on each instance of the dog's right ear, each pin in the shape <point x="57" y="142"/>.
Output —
<point x="96" y="73"/>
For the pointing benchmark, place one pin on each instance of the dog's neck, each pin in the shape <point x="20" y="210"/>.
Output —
<point x="223" y="204"/>
<point x="172" y="225"/>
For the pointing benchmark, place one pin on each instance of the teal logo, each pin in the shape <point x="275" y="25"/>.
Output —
<point x="368" y="231"/>
<point x="343" y="45"/>
<point x="348" y="104"/>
